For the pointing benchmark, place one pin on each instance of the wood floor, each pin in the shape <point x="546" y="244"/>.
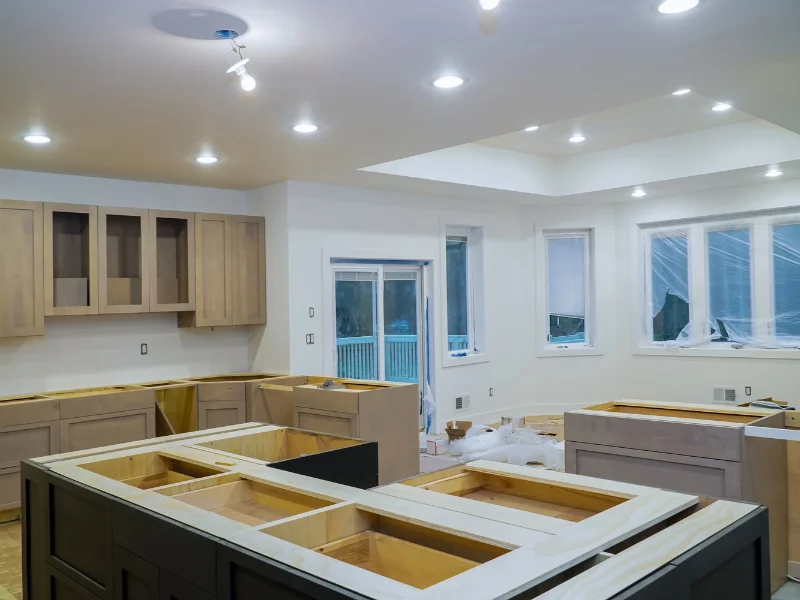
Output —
<point x="10" y="561"/>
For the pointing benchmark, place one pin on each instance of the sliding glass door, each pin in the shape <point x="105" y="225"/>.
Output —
<point x="378" y="320"/>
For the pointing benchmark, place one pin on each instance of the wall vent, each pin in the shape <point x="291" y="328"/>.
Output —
<point x="462" y="403"/>
<point x="725" y="395"/>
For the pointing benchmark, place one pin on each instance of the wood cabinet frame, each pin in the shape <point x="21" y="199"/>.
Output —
<point x="65" y="424"/>
<point x="350" y="418"/>
<point x="203" y="408"/>
<point x="102" y="252"/>
<point x="49" y="293"/>
<point x="203" y="269"/>
<point x="155" y="305"/>
<point x="238" y="264"/>
<point x="11" y="279"/>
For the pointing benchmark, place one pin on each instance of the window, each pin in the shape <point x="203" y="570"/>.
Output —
<point x="786" y="282"/>
<point x="669" y="296"/>
<point x="463" y="290"/>
<point x="728" y="283"/>
<point x="568" y="284"/>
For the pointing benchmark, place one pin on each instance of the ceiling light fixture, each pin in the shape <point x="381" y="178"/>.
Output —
<point x="532" y="128"/>
<point x="489" y="4"/>
<point x="448" y="81"/>
<point x="639" y="193"/>
<point x="305" y="128"/>
<point x="773" y="172"/>
<point x="721" y="107"/>
<point x="246" y="80"/>
<point x="577" y="139"/>
<point x="681" y="92"/>
<point x="671" y="7"/>
<point x="207" y="159"/>
<point x="37" y="138"/>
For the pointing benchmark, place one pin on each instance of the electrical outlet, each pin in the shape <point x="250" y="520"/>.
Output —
<point x="491" y="392"/>
<point x="143" y="349"/>
<point x="748" y="391"/>
<point x="310" y="312"/>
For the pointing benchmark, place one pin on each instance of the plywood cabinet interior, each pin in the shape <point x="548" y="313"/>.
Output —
<point x="249" y="271"/>
<point x="124" y="271"/>
<point x="172" y="261"/>
<point x="21" y="269"/>
<point x="70" y="260"/>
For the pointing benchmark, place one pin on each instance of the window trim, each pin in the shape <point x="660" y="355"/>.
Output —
<point x="588" y="287"/>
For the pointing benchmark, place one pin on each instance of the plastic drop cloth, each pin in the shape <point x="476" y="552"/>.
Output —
<point x="508" y="444"/>
<point x="729" y="287"/>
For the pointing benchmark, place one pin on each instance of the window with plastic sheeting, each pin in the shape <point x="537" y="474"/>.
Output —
<point x="786" y="283"/>
<point x="463" y="262"/>
<point x="568" y="281"/>
<point x="669" y="295"/>
<point x="730" y="285"/>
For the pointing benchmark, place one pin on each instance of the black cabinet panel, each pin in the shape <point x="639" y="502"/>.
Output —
<point x="173" y="587"/>
<point x="34" y="522"/>
<point x="177" y="548"/>
<point x="134" y="577"/>
<point x="355" y="466"/>
<point x="61" y="587"/>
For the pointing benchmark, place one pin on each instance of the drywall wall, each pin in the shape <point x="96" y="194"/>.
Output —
<point x="96" y="350"/>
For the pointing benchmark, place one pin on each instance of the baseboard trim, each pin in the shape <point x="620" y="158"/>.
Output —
<point x="794" y="569"/>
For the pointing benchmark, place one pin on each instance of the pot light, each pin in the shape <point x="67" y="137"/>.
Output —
<point x="671" y="7"/>
<point x="773" y="172"/>
<point x="532" y="128"/>
<point x="305" y="128"/>
<point x="681" y="92"/>
<point x="448" y="81"/>
<point x="721" y="107"/>
<point x="37" y="138"/>
<point x="577" y="139"/>
<point x="207" y="159"/>
<point x="489" y="4"/>
<point x="639" y="193"/>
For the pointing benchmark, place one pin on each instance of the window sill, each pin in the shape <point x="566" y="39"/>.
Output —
<point x="788" y="353"/>
<point x="469" y="359"/>
<point x="568" y="352"/>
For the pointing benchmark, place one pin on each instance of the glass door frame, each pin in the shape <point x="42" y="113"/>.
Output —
<point x="379" y="269"/>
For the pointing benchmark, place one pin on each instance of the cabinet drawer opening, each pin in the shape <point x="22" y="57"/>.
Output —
<point x="232" y="378"/>
<point x="91" y="391"/>
<point x="280" y="444"/>
<point x="149" y="470"/>
<point x="682" y="413"/>
<point x="251" y="502"/>
<point x="413" y="554"/>
<point x="552" y="500"/>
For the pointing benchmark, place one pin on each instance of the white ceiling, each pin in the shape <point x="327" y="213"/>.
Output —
<point x="660" y="117"/>
<point x="123" y="99"/>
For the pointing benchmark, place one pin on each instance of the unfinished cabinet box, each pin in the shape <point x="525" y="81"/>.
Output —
<point x="274" y="402"/>
<point x="105" y="416"/>
<point x="172" y="261"/>
<point x="375" y="411"/>
<point x="123" y="266"/>
<point x="249" y="270"/>
<point x="220" y="413"/>
<point x="21" y="269"/>
<point x="235" y="394"/>
<point x="691" y="448"/>
<point x="70" y="260"/>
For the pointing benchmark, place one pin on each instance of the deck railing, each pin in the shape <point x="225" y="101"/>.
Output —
<point x="357" y="356"/>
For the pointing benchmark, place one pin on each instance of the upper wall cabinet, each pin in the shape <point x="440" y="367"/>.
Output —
<point x="123" y="235"/>
<point x="21" y="262"/>
<point x="172" y="261"/>
<point x="231" y="272"/>
<point x="249" y="271"/>
<point x="70" y="260"/>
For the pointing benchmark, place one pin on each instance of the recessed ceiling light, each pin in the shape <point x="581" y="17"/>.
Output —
<point x="671" y="7"/>
<point x="532" y="128"/>
<point x="577" y="139"/>
<point x="489" y="4"/>
<point x="721" y="107"/>
<point x="207" y="159"/>
<point x="639" y="193"/>
<point x="37" y="138"/>
<point x="448" y="81"/>
<point x="681" y="92"/>
<point x="773" y="172"/>
<point x="305" y="128"/>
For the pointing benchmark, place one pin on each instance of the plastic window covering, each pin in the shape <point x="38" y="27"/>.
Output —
<point x="786" y="283"/>
<point x="729" y="285"/>
<point x="566" y="290"/>
<point x="669" y="291"/>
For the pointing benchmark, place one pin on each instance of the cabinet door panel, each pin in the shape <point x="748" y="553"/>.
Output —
<point x="70" y="260"/>
<point x="134" y="577"/>
<point x="213" y="246"/>
<point x="325" y="421"/>
<point x="220" y="413"/>
<point x="19" y="442"/>
<point x="173" y="587"/>
<point x="124" y="278"/>
<point x="21" y="269"/>
<point x="249" y="271"/>
<point x="172" y="261"/>
<point x="9" y="488"/>
<point x="82" y="433"/>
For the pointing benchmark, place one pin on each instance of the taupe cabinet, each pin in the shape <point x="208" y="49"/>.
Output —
<point x="70" y="259"/>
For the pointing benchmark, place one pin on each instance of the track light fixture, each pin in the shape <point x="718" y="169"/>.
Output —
<point x="246" y="80"/>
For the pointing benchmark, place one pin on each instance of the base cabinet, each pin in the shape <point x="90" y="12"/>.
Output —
<point x="134" y="578"/>
<point x="220" y="413"/>
<point x="61" y="587"/>
<point x="172" y="587"/>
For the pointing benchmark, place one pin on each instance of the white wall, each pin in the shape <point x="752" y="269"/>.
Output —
<point x="97" y="350"/>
